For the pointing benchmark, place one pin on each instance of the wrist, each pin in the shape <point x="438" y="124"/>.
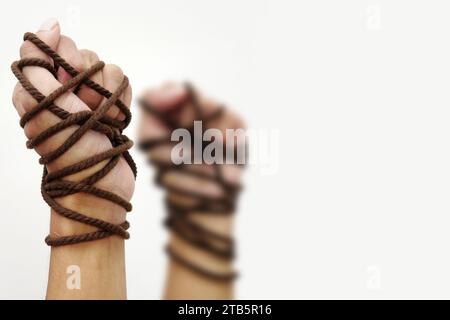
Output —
<point x="119" y="181"/>
<point x="88" y="205"/>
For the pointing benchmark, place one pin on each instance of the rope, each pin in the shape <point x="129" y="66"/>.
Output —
<point x="53" y="185"/>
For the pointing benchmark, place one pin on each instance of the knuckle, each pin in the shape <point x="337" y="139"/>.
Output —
<point x="21" y="100"/>
<point x="114" y="71"/>
<point x="26" y="48"/>
<point x="31" y="129"/>
<point x="15" y="95"/>
<point x="89" y="56"/>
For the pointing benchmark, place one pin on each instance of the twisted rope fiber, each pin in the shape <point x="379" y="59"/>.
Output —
<point x="53" y="184"/>
<point x="179" y="216"/>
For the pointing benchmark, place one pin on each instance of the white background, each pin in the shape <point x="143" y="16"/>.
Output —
<point x="358" y="206"/>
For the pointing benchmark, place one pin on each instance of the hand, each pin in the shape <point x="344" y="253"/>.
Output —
<point x="120" y="179"/>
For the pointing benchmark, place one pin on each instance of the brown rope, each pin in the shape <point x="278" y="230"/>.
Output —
<point x="53" y="184"/>
<point x="179" y="216"/>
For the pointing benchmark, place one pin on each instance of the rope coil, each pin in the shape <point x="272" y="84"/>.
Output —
<point x="53" y="184"/>
<point x="179" y="218"/>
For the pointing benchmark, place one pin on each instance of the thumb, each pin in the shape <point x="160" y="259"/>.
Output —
<point x="50" y="33"/>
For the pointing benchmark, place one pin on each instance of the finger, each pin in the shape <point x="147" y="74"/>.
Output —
<point x="49" y="33"/>
<point x="125" y="97"/>
<point x="193" y="184"/>
<point x="89" y="96"/>
<point x="46" y="83"/>
<point x="68" y="50"/>
<point x="112" y="79"/>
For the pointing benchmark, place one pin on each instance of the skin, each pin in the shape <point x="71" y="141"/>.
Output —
<point x="101" y="263"/>
<point x="182" y="283"/>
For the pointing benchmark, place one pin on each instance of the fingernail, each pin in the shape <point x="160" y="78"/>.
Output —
<point x="49" y="24"/>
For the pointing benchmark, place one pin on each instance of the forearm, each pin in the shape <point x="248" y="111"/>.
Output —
<point x="182" y="282"/>
<point x="99" y="266"/>
<point x="88" y="270"/>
